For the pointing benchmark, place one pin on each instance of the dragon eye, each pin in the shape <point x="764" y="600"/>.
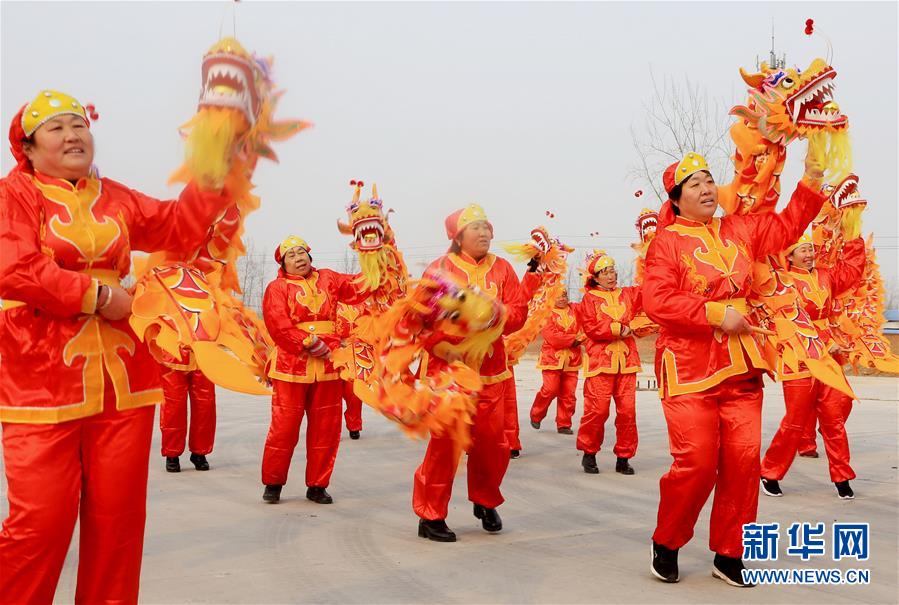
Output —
<point x="460" y="297"/>
<point x="787" y="82"/>
<point x="376" y="203"/>
<point x="353" y="207"/>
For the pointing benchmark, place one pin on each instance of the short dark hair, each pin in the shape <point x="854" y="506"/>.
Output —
<point x="455" y="247"/>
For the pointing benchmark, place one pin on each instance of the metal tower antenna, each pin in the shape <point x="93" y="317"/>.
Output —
<point x="774" y="62"/>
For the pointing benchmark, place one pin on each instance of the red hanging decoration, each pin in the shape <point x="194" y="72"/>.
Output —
<point x="638" y="193"/>
<point x="809" y="27"/>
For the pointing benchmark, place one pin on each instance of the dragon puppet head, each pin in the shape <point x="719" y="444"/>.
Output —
<point x="367" y="222"/>
<point x="552" y="253"/>
<point x="234" y="123"/>
<point x="786" y="104"/>
<point x="845" y="194"/>
<point x="231" y="79"/>
<point x="373" y="238"/>
<point x="839" y="219"/>
<point x="646" y="224"/>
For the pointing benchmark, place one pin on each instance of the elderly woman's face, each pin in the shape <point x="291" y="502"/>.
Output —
<point x="475" y="239"/>
<point x="297" y="262"/>
<point x="803" y="257"/>
<point x="699" y="197"/>
<point x="62" y="147"/>
<point x="607" y="278"/>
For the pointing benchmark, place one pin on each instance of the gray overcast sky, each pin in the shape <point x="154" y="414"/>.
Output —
<point x="520" y="107"/>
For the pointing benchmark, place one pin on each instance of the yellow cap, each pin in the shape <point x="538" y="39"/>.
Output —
<point x="291" y="241"/>
<point x="47" y="105"/>
<point x="598" y="260"/>
<point x="690" y="165"/>
<point x="805" y="239"/>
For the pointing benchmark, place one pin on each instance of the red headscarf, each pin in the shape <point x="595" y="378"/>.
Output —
<point x="666" y="212"/>
<point x="16" y="136"/>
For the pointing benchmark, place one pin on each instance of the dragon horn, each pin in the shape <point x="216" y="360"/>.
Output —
<point x="755" y="80"/>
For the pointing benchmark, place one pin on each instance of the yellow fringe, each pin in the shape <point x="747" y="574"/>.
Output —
<point x="213" y="132"/>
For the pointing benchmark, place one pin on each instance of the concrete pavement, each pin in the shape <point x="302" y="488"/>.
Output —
<point x="568" y="538"/>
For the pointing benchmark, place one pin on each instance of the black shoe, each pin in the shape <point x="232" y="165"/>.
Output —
<point x="272" y="493"/>
<point x="435" y="530"/>
<point x="730" y="569"/>
<point x="811" y="454"/>
<point x="490" y="520"/>
<point x="354" y="434"/>
<point x="623" y="466"/>
<point x="199" y="462"/>
<point x="513" y="454"/>
<point x="319" y="495"/>
<point x="664" y="563"/>
<point x="844" y="491"/>
<point x="172" y="464"/>
<point x="589" y="464"/>
<point x="565" y="430"/>
<point x="535" y="425"/>
<point x="771" y="487"/>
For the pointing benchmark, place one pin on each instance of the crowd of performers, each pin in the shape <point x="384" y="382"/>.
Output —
<point x="84" y="359"/>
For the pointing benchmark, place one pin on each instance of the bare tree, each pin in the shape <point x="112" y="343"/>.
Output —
<point x="680" y="117"/>
<point x="251" y="274"/>
<point x="350" y="262"/>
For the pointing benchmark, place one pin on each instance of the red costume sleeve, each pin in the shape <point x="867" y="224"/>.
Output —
<point x="177" y="225"/>
<point x="770" y="232"/>
<point x="26" y="273"/>
<point x="663" y="300"/>
<point x="595" y="324"/>
<point x="848" y="271"/>
<point x="276" y="314"/>
<point x="348" y="290"/>
<point x="636" y="298"/>
<point x="515" y="297"/>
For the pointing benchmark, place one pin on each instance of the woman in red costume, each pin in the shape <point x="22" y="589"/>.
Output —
<point x="805" y="397"/>
<point x="181" y="379"/>
<point x="76" y="386"/>
<point x="300" y="309"/>
<point x="560" y="361"/>
<point x="470" y="262"/>
<point x="612" y="363"/>
<point x="709" y="365"/>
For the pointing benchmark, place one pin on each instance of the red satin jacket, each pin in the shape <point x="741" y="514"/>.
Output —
<point x="59" y="243"/>
<point x="603" y="313"/>
<point x="694" y="271"/>
<point x="817" y="289"/>
<point x="294" y="308"/>
<point x="557" y="352"/>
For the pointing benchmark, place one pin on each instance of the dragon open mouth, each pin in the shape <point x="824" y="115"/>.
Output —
<point x="541" y="240"/>
<point x="647" y="223"/>
<point x="369" y="233"/>
<point x="847" y="194"/>
<point x="648" y="226"/>
<point x="228" y="81"/>
<point x="813" y="104"/>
